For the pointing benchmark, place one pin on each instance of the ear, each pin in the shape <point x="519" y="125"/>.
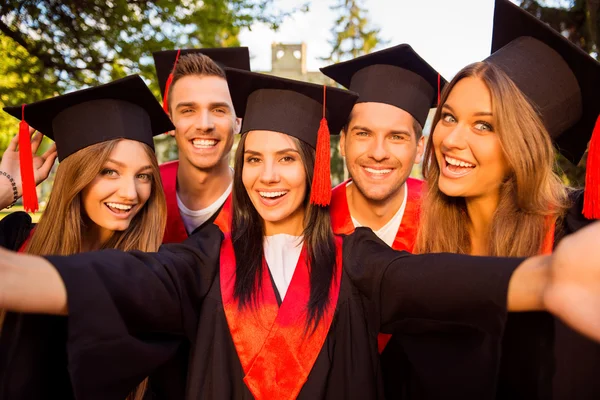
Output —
<point x="171" y="133"/>
<point x="343" y="143"/>
<point x="420" y="149"/>
<point x="237" y="126"/>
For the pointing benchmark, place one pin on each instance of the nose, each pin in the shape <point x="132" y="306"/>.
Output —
<point x="378" y="150"/>
<point x="128" y="189"/>
<point x="204" y="121"/>
<point x="455" y="139"/>
<point x="269" y="173"/>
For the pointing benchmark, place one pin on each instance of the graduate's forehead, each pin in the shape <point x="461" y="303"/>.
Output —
<point x="269" y="142"/>
<point x="380" y="117"/>
<point x="200" y="89"/>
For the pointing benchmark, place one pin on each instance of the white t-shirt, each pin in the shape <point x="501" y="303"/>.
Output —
<point x="192" y="219"/>
<point x="388" y="232"/>
<point x="282" y="252"/>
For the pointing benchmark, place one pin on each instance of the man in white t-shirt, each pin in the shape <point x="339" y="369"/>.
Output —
<point x="196" y="96"/>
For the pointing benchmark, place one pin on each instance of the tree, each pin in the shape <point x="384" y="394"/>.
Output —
<point x="353" y="36"/>
<point x="52" y="46"/>
<point x="577" y="20"/>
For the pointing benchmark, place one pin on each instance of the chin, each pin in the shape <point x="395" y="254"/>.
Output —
<point x="452" y="190"/>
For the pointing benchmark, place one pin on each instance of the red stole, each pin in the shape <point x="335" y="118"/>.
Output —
<point x="26" y="242"/>
<point x="175" y="230"/>
<point x="276" y="354"/>
<point x="406" y="237"/>
<point x="548" y="243"/>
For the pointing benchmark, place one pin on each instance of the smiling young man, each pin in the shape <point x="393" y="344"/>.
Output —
<point x="381" y="142"/>
<point x="198" y="184"/>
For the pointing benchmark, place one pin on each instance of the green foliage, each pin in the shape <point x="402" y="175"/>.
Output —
<point x="52" y="46"/>
<point x="353" y="35"/>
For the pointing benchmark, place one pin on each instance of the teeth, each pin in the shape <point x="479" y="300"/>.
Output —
<point x="378" y="171"/>
<point x="204" y="142"/>
<point x="271" y="194"/>
<point x="118" y="206"/>
<point x="458" y="163"/>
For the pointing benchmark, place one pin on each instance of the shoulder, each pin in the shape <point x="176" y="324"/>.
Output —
<point x="415" y="184"/>
<point x="169" y="167"/>
<point x="573" y="219"/>
<point x="14" y="229"/>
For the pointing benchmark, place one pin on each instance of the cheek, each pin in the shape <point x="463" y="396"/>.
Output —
<point x="144" y="191"/>
<point x="248" y="177"/>
<point x="300" y="181"/>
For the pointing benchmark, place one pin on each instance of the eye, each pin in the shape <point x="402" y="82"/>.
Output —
<point x="220" y="110"/>
<point x="362" y="133"/>
<point x="109" y="172"/>
<point x="399" y="137"/>
<point x="483" y="126"/>
<point x="187" y="110"/>
<point x="252" y="160"/>
<point x="288" y="159"/>
<point x="449" y="118"/>
<point x="144" y="177"/>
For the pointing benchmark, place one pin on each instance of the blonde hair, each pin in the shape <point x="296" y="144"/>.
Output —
<point x="530" y="196"/>
<point x="64" y="214"/>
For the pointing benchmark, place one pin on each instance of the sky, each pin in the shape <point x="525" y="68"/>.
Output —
<point x="449" y="34"/>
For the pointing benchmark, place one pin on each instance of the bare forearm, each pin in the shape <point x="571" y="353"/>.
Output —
<point x="30" y="284"/>
<point x="528" y="284"/>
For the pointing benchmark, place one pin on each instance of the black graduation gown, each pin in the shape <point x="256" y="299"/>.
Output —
<point x="33" y="354"/>
<point x="542" y="358"/>
<point x="130" y="311"/>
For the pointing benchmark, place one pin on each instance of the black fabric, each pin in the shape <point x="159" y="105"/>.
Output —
<point x="232" y="57"/>
<point x="561" y="79"/>
<point x="284" y="105"/>
<point x="397" y="76"/>
<point x="128" y="312"/>
<point x="124" y="108"/>
<point x="542" y="358"/>
<point x="33" y="352"/>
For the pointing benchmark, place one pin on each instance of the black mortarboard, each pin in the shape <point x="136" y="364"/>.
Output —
<point x="125" y="108"/>
<point x="232" y="57"/>
<point x="561" y="80"/>
<point x="397" y="76"/>
<point x="299" y="109"/>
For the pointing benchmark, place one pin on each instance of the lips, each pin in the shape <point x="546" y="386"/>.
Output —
<point x="204" y="143"/>
<point x="378" y="172"/>
<point x="456" y="168"/>
<point x="271" y="198"/>
<point x="120" y="210"/>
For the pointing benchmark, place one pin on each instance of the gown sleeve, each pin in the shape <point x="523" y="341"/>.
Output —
<point x="14" y="230"/>
<point x="446" y="311"/>
<point x="129" y="312"/>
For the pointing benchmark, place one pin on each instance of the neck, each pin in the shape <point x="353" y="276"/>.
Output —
<point x="481" y="215"/>
<point x="197" y="188"/>
<point x="94" y="238"/>
<point x="370" y="213"/>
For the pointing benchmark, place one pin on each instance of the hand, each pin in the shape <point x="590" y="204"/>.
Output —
<point x="41" y="164"/>
<point x="573" y="293"/>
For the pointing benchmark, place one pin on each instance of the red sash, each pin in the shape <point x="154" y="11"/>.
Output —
<point x="274" y="350"/>
<point x="548" y="243"/>
<point x="407" y="232"/>
<point x="26" y="242"/>
<point x="175" y="230"/>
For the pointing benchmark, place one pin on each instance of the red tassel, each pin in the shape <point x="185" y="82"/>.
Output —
<point x="30" y="200"/>
<point x="168" y="84"/>
<point x="591" y="201"/>
<point x="320" y="193"/>
<point x="165" y="97"/>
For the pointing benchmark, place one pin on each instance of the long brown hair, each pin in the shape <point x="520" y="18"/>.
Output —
<point x="248" y="231"/>
<point x="531" y="196"/>
<point x="65" y="214"/>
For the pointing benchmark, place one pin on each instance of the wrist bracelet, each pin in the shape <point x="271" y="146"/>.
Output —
<point x="14" y="188"/>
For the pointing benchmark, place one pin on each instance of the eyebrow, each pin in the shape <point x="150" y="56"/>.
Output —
<point x="478" y="114"/>
<point x="212" y="105"/>
<point x="283" y="151"/>
<point x="392" y="132"/>
<point x="122" y="165"/>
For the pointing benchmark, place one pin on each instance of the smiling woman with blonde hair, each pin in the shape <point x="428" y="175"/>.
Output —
<point x="492" y="189"/>
<point x="107" y="194"/>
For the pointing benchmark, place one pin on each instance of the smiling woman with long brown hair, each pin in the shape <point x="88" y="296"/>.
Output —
<point x="492" y="189"/>
<point x="107" y="194"/>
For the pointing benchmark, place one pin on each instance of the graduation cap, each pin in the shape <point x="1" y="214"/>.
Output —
<point x="560" y="79"/>
<point x="166" y="60"/>
<point x="397" y="76"/>
<point x="125" y="108"/>
<point x="306" y="111"/>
